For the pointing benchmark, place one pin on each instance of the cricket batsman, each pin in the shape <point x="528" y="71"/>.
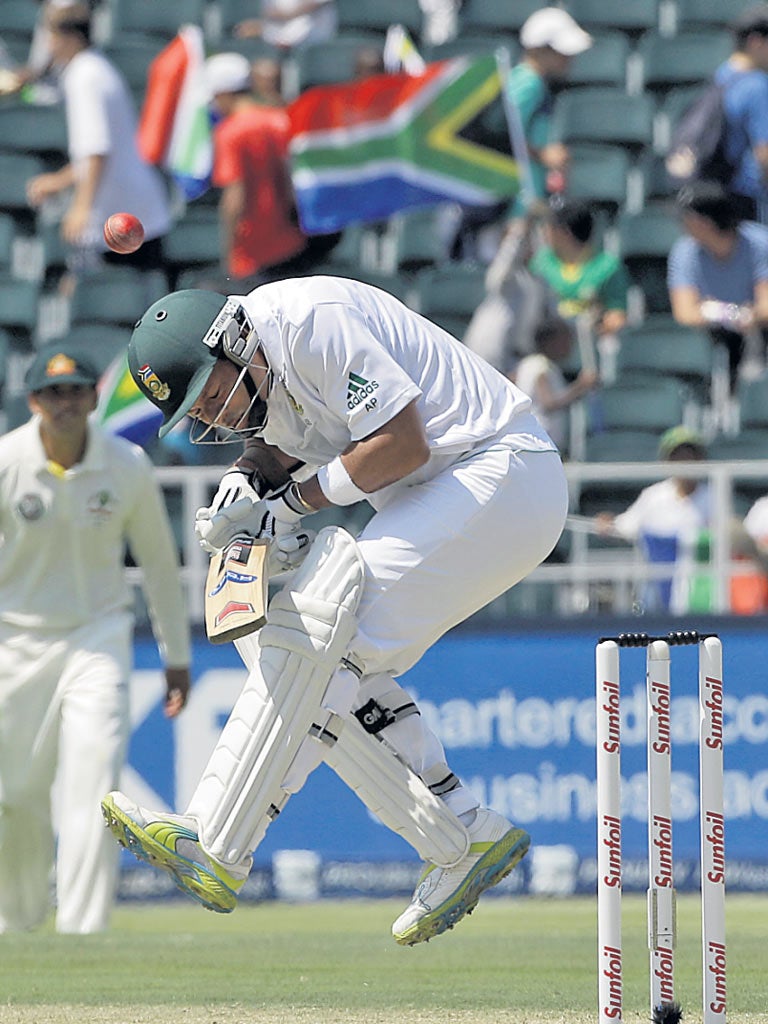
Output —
<point x="343" y="394"/>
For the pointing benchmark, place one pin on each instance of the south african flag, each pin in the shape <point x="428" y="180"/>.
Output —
<point x="363" y="150"/>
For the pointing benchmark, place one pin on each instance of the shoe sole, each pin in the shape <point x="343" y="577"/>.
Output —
<point x="192" y="878"/>
<point x="494" y="865"/>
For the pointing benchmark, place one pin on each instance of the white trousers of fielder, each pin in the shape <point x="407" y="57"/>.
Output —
<point x="63" y="708"/>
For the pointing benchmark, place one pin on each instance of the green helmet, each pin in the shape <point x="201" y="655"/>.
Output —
<point x="172" y="351"/>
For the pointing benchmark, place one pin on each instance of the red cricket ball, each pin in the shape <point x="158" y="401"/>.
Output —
<point x="123" y="232"/>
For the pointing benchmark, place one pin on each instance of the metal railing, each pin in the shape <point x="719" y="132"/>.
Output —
<point x="570" y="585"/>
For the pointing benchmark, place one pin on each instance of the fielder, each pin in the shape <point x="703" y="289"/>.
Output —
<point x="71" y="496"/>
<point x="342" y="394"/>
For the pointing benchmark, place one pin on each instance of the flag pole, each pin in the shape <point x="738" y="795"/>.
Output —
<point x="516" y="132"/>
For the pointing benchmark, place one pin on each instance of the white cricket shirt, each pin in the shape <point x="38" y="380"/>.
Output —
<point x="348" y="357"/>
<point x="63" y="537"/>
<point x="661" y="510"/>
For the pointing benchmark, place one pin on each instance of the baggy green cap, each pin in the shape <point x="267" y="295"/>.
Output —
<point x="61" y="362"/>
<point x="167" y="356"/>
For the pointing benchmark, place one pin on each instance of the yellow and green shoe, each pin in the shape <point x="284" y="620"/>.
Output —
<point x="444" y="895"/>
<point x="171" y="843"/>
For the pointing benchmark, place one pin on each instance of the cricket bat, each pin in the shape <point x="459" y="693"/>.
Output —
<point x="236" y="590"/>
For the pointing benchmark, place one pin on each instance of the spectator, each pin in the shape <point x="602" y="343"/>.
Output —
<point x="105" y="172"/>
<point x="290" y="24"/>
<point x="71" y="496"/>
<point x="369" y="61"/>
<point x="666" y="522"/>
<point x="749" y="592"/>
<point x="267" y="82"/>
<point x="756" y="523"/>
<point x="441" y="20"/>
<point x="502" y="327"/>
<point x="261" y="238"/>
<point x="550" y="39"/>
<point x="718" y="271"/>
<point x="586" y="280"/>
<point x="744" y="77"/>
<point x="39" y="68"/>
<point x="540" y="376"/>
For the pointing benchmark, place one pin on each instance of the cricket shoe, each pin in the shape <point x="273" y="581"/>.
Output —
<point x="444" y="895"/>
<point x="171" y="843"/>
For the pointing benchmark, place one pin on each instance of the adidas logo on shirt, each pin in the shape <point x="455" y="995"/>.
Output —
<point x="359" y="390"/>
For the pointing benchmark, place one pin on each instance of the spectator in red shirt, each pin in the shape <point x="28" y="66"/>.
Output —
<point x="250" y="165"/>
<point x="261" y="237"/>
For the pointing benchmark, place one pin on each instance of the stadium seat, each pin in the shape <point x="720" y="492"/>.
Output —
<point x="148" y="17"/>
<point x="53" y="245"/>
<point x="676" y="101"/>
<point x="707" y="13"/>
<point x="416" y="240"/>
<point x="17" y="25"/>
<point x="753" y="402"/>
<point x="649" y="233"/>
<point x="105" y="341"/>
<point x="193" y="241"/>
<point x="328" y="63"/>
<point x="652" y="406"/>
<point x="598" y="174"/>
<point x="32" y="128"/>
<point x="16" y="410"/>
<point x="604" y="115"/>
<point x="645" y="239"/>
<point x="231" y="13"/>
<point x="471" y="46"/>
<point x="488" y="17"/>
<point x="109" y="298"/>
<point x="605" y="63"/>
<point x="207" y="275"/>
<point x="5" y="346"/>
<point x="747" y="444"/>
<point x="687" y="58"/>
<point x="622" y="446"/>
<point x="133" y="58"/>
<point x="375" y="16"/>
<point x="666" y="348"/>
<point x="633" y="16"/>
<point x="15" y="171"/>
<point x="19" y="309"/>
<point x="396" y="284"/>
<point x="657" y="184"/>
<point x="7" y="236"/>
<point x="251" y="47"/>
<point x="450" y="295"/>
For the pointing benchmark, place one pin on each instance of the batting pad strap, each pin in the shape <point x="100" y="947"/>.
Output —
<point x="397" y="796"/>
<point x="295" y="697"/>
<point x="379" y="712"/>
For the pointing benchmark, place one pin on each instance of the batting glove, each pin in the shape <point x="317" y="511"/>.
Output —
<point x="288" y="550"/>
<point x="215" y="530"/>
<point x="235" y="484"/>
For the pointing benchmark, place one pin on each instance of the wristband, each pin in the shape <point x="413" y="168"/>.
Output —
<point x="337" y="485"/>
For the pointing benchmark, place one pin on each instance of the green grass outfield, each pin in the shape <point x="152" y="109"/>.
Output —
<point x="522" y="960"/>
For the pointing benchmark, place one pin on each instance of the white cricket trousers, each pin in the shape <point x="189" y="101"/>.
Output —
<point x="63" y="709"/>
<point x="436" y="554"/>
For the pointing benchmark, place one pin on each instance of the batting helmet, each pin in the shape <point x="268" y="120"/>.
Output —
<point x="174" y="348"/>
